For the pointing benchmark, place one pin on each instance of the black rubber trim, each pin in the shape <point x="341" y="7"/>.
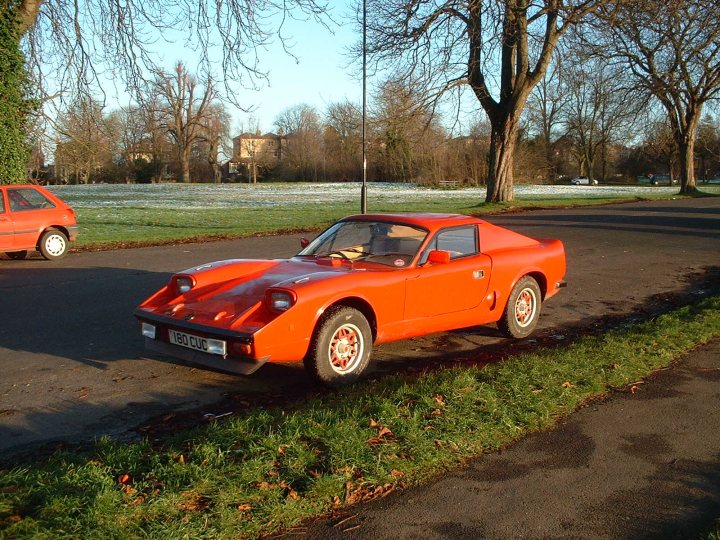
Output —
<point x="242" y="337"/>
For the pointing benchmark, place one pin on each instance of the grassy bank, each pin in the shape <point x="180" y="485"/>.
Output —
<point x="269" y="469"/>
<point x="99" y="226"/>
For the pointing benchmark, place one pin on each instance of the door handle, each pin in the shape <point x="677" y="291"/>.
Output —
<point x="478" y="274"/>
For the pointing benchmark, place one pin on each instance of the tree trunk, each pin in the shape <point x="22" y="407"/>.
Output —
<point x="185" y="167"/>
<point x="500" y="160"/>
<point x="686" y="149"/>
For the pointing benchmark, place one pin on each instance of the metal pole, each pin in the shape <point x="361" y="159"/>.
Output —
<point x="363" y="190"/>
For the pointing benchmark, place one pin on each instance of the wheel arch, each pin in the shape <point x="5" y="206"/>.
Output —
<point x="541" y="279"/>
<point x="49" y="228"/>
<point x="355" y="302"/>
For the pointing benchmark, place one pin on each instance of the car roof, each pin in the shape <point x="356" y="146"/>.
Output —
<point x="426" y="220"/>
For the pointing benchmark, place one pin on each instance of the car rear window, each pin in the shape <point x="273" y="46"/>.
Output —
<point x="27" y="199"/>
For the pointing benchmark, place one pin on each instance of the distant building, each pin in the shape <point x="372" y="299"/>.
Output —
<point x="254" y="153"/>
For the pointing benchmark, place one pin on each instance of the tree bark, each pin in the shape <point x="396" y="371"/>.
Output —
<point x="503" y="140"/>
<point x="185" y="165"/>
<point x="686" y="149"/>
<point x="28" y="12"/>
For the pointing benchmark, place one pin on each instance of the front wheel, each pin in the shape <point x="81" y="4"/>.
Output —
<point x="53" y="244"/>
<point x="522" y="310"/>
<point x="340" y="348"/>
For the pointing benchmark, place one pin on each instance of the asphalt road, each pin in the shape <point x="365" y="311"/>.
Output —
<point x="72" y="365"/>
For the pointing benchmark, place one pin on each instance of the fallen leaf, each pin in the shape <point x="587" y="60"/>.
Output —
<point x="124" y="479"/>
<point x="181" y="459"/>
<point x="396" y="474"/>
<point x="439" y="399"/>
<point x="373" y="423"/>
<point x="568" y="384"/>
<point x="194" y="502"/>
<point x="536" y="391"/>
<point x="438" y="443"/>
<point x="245" y="507"/>
<point x="634" y="388"/>
<point x="436" y="412"/>
<point x="266" y="485"/>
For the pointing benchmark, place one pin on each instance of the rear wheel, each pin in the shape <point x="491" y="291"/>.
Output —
<point x="522" y="310"/>
<point x="340" y="348"/>
<point x="53" y="244"/>
<point x="16" y="255"/>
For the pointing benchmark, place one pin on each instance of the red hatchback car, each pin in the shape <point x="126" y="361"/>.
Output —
<point x="33" y="218"/>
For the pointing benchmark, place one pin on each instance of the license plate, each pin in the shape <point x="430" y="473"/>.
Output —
<point x="208" y="345"/>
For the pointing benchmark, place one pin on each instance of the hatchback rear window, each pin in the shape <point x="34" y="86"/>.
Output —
<point x="27" y="199"/>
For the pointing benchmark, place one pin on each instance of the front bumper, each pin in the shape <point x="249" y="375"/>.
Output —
<point x="232" y="364"/>
<point x="241" y="365"/>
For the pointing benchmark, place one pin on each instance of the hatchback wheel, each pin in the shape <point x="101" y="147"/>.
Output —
<point x="53" y="244"/>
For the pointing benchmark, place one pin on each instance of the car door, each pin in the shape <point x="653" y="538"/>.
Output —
<point x="437" y="289"/>
<point x="6" y="224"/>
<point x="29" y="211"/>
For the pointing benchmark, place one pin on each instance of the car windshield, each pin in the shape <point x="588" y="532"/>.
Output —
<point x="391" y="244"/>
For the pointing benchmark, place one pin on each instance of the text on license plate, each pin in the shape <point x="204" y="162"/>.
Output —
<point x="208" y="345"/>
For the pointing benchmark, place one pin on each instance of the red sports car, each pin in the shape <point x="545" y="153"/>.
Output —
<point x="366" y="280"/>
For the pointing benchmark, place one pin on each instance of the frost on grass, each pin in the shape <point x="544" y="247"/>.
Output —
<point x="207" y="196"/>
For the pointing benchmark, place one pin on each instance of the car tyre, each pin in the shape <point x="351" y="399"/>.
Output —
<point x="16" y="255"/>
<point x="53" y="244"/>
<point x="340" y="348"/>
<point x="522" y="310"/>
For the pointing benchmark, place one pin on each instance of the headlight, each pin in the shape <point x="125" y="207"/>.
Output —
<point x="183" y="284"/>
<point x="148" y="330"/>
<point x="281" y="300"/>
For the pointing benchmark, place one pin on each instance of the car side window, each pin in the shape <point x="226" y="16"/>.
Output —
<point x="27" y="199"/>
<point x="459" y="241"/>
<point x="2" y="202"/>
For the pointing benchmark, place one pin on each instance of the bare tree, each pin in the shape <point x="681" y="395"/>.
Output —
<point x="215" y="131"/>
<point x="546" y="106"/>
<point x="405" y="131"/>
<point x="343" y="141"/>
<point x="673" y="50"/>
<point x="72" y="44"/>
<point x="447" y="44"/>
<point x="302" y="127"/>
<point x="185" y="109"/>
<point x="599" y="109"/>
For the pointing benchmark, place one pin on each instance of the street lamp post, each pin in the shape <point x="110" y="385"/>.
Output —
<point x="363" y="189"/>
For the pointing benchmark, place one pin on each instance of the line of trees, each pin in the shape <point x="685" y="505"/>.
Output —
<point x="579" y="120"/>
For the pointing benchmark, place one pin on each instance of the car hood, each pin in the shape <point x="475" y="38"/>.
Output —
<point x="231" y="293"/>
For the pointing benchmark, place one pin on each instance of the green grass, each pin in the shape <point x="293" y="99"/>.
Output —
<point x="137" y="225"/>
<point x="271" y="468"/>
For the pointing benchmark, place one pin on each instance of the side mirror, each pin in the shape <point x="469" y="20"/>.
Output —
<point x="304" y="242"/>
<point x="439" y="257"/>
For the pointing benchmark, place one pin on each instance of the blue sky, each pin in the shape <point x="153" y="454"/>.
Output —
<point x="320" y="74"/>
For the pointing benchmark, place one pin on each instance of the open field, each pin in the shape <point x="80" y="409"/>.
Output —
<point x="269" y="468"/>
<point x="132" y="214"/>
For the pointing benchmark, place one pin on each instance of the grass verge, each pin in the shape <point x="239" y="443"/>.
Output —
<point x="104" y="227"/>
<point x="270" y="469"/>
